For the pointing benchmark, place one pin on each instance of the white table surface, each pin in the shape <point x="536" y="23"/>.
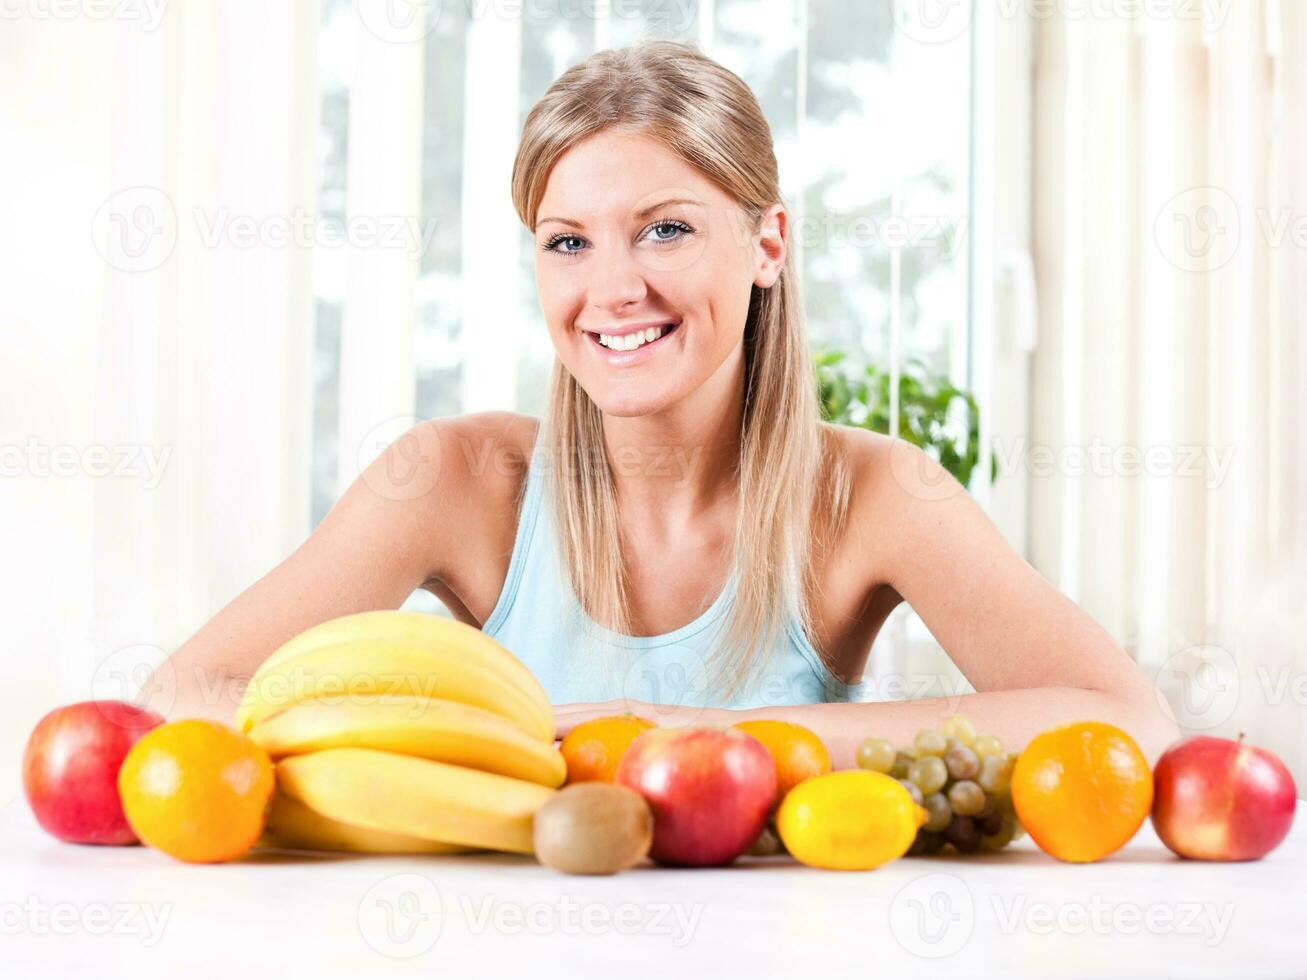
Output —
<point x="98" y="912"/>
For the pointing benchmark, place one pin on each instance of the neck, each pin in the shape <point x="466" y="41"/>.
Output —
<point x="676" y="466"/>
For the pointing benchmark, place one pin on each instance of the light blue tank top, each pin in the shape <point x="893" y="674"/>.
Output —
<point x="538" y="618"/>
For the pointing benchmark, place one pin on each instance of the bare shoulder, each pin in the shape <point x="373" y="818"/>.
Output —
<point x="899" y="493"/>
<point x="477" y="462"/>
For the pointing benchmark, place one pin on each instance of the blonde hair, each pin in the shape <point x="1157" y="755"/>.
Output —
<point x="708" y="116"/>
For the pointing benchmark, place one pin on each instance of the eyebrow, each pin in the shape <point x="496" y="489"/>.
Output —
<point x="642" y="213"/>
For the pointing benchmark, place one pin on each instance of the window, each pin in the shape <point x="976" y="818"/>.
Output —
<point x="872" y="130"/>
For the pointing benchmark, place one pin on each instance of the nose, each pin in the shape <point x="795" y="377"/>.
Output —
<point x="616" y="279"/>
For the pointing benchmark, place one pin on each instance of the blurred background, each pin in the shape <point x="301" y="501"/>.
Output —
<point x="1062" y="245"/>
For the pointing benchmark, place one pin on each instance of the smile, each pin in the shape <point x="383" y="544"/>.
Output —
<point x="620" y="349"/>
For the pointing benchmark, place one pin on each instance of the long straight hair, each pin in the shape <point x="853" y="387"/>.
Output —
<point x="793" y="478"/>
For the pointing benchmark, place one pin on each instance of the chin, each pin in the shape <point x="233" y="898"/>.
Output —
<point x="630" y="405"/>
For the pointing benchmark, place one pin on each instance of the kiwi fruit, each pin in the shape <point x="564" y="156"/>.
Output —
<point x="593" y="829"/>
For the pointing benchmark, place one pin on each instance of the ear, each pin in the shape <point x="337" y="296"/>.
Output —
<point x="772" y="241"/>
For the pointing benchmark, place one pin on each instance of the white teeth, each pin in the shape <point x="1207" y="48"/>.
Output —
<point x="632" y="340"/>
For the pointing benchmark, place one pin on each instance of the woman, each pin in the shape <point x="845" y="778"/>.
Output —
<point x="737" y="556"/>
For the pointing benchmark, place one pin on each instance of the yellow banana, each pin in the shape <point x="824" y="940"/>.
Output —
<point x="420" y="629"/>
<point x="368" y="670"/>
<point x="431" y="728"/>
<point x="292" y="824"/>
<point x="401" y="794"/>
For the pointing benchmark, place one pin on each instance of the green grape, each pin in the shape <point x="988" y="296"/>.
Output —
<point x="902" y="760"/>
<point x="952" y="742"/>
<point x="929" y="773"/>
<point x="940" y="812"/>
<point x="966" y="798"/>
<point x="960" y="728"/>
<point x="990" y="824"/>
<point x="876" y="754"/>
<point x="1018" y="831"/>
<point x="913" y="791"/>
<point x="999" y="840"/>
<point x="987" y="745"/>
<point x="995" y="775"/>
<point x="930" y="742"/>
<point x="962" y="763"/>
<point x="961" y="833"/>
<point x="919" y="844"/>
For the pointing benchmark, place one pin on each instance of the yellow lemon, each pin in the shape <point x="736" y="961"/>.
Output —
<point x="851" y="820"/>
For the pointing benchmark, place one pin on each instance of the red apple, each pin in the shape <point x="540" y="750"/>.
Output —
<point x="70" y="769"/>
<point x="710" y="790"/>
<point x="1218" y="800"/>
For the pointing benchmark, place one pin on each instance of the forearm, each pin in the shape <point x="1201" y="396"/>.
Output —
<point x="1015" y="716"/>
<point x="190" y="684"/>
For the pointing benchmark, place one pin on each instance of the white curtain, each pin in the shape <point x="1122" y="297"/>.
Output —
<point x="202" y="348"/>
<point x="1168" y="433"/>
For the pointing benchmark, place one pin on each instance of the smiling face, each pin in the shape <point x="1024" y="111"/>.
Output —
<point x="647" y="247"/>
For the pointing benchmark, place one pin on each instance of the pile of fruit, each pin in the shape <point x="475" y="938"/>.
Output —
<point x="963" y="780"/>
<point x="395" y="732"/>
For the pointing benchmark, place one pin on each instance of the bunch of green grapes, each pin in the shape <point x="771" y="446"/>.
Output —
<point x="962" y="779"/>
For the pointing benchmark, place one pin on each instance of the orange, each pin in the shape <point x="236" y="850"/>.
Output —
<point x="797" y="751"/>
<point x="594" y="749"/>
<point x="1082" y="790"/>
<point x="197" y="790"/>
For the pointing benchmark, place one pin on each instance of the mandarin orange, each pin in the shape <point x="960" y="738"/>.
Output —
<point x="196" y="790"/>
<point x="594" y="749"/>
<point x="1082" y="790"/>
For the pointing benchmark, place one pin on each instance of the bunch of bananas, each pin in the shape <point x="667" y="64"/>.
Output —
<point x="400" y="732"/>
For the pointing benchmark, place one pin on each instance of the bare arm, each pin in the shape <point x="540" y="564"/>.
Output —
<point x="1035" y="658"/>
<point x="380" y="542"/>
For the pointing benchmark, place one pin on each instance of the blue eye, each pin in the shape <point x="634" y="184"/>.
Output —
<point x="552" y="244"/>
<point x="675" y="225"/>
